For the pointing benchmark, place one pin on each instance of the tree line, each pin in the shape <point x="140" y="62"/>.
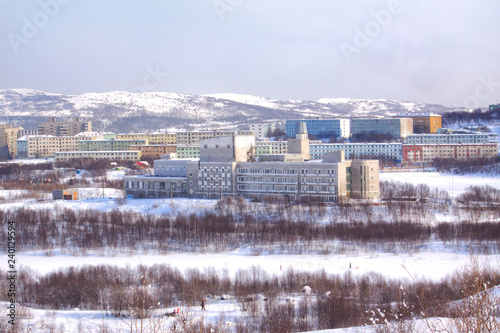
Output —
<point x="335" y="300"/>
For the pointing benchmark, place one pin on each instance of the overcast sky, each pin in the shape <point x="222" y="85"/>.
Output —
<point x="441" y="51"/>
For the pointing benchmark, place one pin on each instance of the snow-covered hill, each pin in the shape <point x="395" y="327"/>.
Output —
<point x="125" y="111"/>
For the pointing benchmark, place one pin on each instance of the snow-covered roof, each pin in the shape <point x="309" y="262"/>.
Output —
<point x="86" y="134"/>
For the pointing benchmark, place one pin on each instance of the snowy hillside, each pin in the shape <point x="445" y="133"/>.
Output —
<point x="125" y="111"/>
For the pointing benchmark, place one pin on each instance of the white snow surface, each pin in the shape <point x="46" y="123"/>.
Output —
<point x="434" y="261"/>
<point x="452" y="183"/>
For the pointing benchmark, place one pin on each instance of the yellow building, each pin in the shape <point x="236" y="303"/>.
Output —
<point x="154" y="151"/>
<point x="8" y="138"/>
<point x="63" y="128"/>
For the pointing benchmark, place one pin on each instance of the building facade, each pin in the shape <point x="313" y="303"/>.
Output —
<point x="274" y="147"/>
<point x="194" y="137"/>
<point x="424" y="154"/>
<point x="320" y="128"/>
<point x="41" y="146"/>
<point x="424" y="122"/>
<point x="387" y="151"/>
<point x="113" y="144"/>
<point x="154" y="151"/>
<point x="188" y="151"/>
<point x="392" y="127"/>
<point x="448" y="138"/>
<point x="130" y="155"/>
<point x="221" y="173"/>
<point x="261" y="129"/>
<point x="64" y="128"/>
<point x="300" y="144"/>
<point x="8" y="139"/>
<point x="25" y="132"/>
<point x="22" y="147"/>
<point x="151" y="137"/>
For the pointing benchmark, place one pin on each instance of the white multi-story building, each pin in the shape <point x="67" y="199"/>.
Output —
<point x="261" y="129"/>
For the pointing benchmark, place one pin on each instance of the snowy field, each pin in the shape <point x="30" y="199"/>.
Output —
<point x="453" y="184"/>
<point x="434" y="261"/>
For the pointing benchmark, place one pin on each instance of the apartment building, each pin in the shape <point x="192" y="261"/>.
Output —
<point x="274" y="147"/>
<point x="64" y="128"/>
<point x="320" y="128"/>
<point x="262" y="150"/>
<point x="131" y="155"/>
<point x="448" y="138"/>
<point x="261" y="129"/>
<point x="25" y="132"/>
<point x="22" y="147"/>
<point x="194" y="137"/>
<point x="388" y="151"/>
<point x="423" y="154"/>
<point x="227" y="168"/>
<point x="151" y="137"/>
<point x="154" y="151"/>
<point x="113" y="144"/>
<point x="424" y="122"/>
<point x="188" y="151"/>
<point x="40" y="146"/>
<point x="392" y="127"/>
<point x="8" y="140"/>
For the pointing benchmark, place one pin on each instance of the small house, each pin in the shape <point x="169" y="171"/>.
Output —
<point x="69" y="194"/>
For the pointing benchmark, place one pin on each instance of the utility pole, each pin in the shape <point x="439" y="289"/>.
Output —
<point x="171" y="195"/>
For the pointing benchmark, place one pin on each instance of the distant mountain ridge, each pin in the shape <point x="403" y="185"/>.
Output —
<point x="121" y="111"/>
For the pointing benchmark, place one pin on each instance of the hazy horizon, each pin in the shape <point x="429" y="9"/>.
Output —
<point x="438" y="53"/>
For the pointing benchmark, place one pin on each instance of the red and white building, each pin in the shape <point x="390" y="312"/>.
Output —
<point x="426" y="153"/>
